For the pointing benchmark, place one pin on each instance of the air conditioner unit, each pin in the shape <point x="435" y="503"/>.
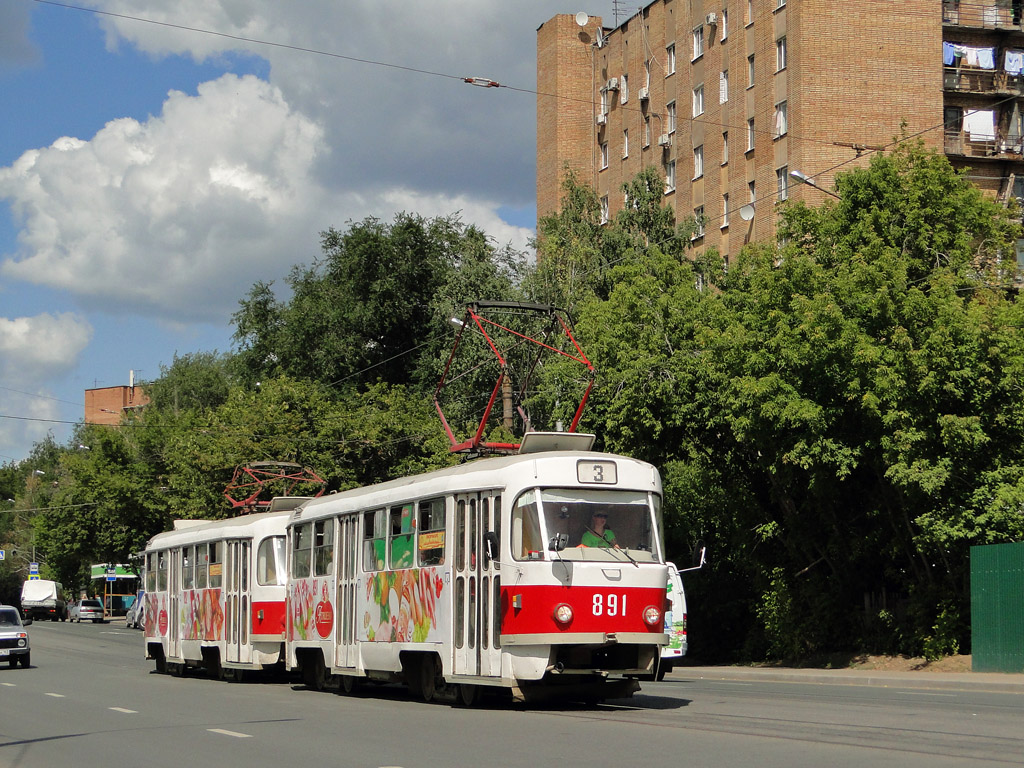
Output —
<point x="602" y="119"/>
<point x="613" y="84"/>
<point x="644" y="94"/>
<point x="665" y="140"/>
<point x="711" y="19"/>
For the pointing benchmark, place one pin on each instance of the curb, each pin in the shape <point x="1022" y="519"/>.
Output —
<point x="992" y="682"/>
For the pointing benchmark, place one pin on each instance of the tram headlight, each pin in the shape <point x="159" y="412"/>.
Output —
<point x="652" y="616"/>
<point x="563" y="614"/>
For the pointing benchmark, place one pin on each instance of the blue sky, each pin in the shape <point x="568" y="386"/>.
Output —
<point x="150" y="174"/>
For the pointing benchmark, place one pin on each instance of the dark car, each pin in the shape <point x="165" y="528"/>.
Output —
<point x="13" y="637"/>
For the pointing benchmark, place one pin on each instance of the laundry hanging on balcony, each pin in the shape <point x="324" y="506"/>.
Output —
<point x="980" y="124"/>
<point x="968" y="56"/>
<point x="1013" y="62"/>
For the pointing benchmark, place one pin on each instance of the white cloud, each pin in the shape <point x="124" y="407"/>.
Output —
<point x="33" y="348"/>
<point x="174" y="216"/>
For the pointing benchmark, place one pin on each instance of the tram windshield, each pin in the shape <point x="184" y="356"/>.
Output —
<point x="585" y="524"/>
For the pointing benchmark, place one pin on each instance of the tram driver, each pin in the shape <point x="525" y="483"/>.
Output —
<point x="598" y="534"/>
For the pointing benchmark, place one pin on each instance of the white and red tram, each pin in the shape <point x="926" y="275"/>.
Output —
<point x="215" y="593"/>
<point x="496" y="573"/>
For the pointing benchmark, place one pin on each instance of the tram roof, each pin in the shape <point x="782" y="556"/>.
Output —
<point x="188" y="531"/>
<point x="459" y="477"/>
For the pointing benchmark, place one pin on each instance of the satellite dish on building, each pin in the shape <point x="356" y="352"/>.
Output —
<point x="599" y="42"/>
<point x="747" y="212"/>
<point x="582" y="18"/>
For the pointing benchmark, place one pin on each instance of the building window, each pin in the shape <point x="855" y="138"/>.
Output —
<point x="780" y="4"/>
<point x="625" y="142"/>
<point x="750" y="12"/>
<point x="647" y="75"/>
<point x="604" y="155"/>
<point x="750" y="135"/>
<point x="698" y="161"/>
<point x="724" y="24"/>
<point x="647" y="132"/>
<point x="725" y="210"/>
<point x="670" y="59"/>
<point x="780" y="54"/>
<point x="698" y="42"/>
<point x="725" y="147"/>
<point x="782" y="182"/>
<point x="781" y="119"/>
<point x="670" y="117"/>
<point x="698" y="219"/>
<point x="750" y="71"/>
<point x="752" y="190"/>
<point x="723" y="86"/>
<point x="604" y="209"/>
<point x="624" y="89"/>
<point x="698" y="100"/>
<point x="604" y="101"/>
<point x="670" y="176"/>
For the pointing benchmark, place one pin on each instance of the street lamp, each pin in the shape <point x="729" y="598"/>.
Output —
<point x="804" y="178"/>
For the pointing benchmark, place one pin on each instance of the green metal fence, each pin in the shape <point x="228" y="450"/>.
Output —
<point x="997" y="608"/>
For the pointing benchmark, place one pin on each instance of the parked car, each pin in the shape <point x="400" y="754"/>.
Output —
<point x="13" y="636"/>
<point x="87" y="610"/>
<point x="137" y="613"/>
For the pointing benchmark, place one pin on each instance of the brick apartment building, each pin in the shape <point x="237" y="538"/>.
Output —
<point x="106" y="405"/>
<point x="729" y="97"/>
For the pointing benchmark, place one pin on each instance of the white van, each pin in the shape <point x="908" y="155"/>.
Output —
<point x="675" y="623"/>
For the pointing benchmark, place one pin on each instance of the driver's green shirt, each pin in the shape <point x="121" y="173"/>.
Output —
<point x="591" y="539"/>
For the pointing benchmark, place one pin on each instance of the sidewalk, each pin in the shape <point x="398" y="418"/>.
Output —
<point x="959" y="681"/>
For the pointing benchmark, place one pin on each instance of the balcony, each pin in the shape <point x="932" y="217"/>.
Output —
<point x="985" y="81"/>
<point x="998" y="147"/>
<point x="1005" y="14"/>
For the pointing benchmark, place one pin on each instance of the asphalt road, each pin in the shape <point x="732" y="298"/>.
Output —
<point x="90" y="699"/>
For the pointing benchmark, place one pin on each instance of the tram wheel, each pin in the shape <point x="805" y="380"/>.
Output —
<point x="314" y="674"/>
<point x="428" y="677"/>
<point x="468" y="694"/>
<point x="348" y="684"/>
<point x="176" y="670"/>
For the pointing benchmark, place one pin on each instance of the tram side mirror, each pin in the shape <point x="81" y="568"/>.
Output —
<point x="699" y="555"/>
<point x="558" y="542"/>
<point x="491" y="545"/>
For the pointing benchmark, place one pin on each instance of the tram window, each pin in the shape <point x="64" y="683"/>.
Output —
<point x="460" y="535"/>
<point x="526" y="538"/>
<point x="401" y="536"/>
<point x="161" y="572"/>
<point x="323" y="541"/>
<point x="496" y="527"/>
<point x="151" y="572"/>
<point x="216" y="563"/>
<point x="496" y="608"/>
<point x="374" y="529"/>
<point x="485" y="612"/>
<point x="188" y="559"/>
<point x="460" y="611"/>
<point x="301" y="550"/>
<point x="432" y="531"/>
<point x="202" y="561"/>
<point x="473" y="533"/>
<point x="269" y="559"/>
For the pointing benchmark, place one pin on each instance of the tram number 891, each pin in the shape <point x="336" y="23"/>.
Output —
<point x="609" y="605"/>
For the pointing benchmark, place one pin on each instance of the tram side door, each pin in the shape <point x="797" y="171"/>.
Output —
<point x="475" y="578"/>
<point x="347" y="590"/>
<point x="173" y="595"/>
<point x="236" y="601"/>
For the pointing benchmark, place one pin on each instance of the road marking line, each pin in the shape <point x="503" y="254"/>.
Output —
<point x="123" y="710"/>
<point x="9" y="685"/>
<point x="56" y="695"/>
<point x="237" y="735"/>
<point x="918" y="693"/>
